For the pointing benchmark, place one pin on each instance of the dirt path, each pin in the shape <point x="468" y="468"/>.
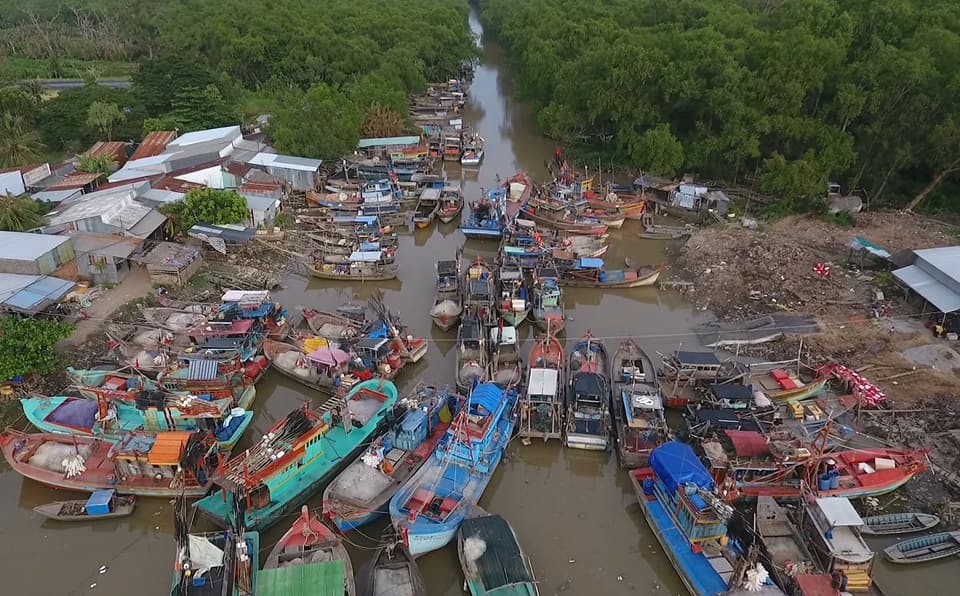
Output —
<point x="137" y="284"/>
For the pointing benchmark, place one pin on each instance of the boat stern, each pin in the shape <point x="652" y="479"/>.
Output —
<point x="587" y="442"/>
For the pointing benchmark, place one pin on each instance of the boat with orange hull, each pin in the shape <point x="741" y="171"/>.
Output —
<point x="542" y="412"/>
<point x="309" y="542"/>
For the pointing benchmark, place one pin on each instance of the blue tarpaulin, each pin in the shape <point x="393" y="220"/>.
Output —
<point x="676" y="464"/>
<point x="589" y="263"/>
<point x="485" y="398"/>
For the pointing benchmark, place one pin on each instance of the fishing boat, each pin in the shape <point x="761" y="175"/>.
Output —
<point x="688" y="366"/>
<point x="362" y="492"/>
<point x="452" y="147"/>
<point x="116" y="384"/>
<point x="782" y="466"/>
<point x="479" y="295"/>
<point x="428" y="205"/>
<point x="451" y="203"/>
<point x="898" y="523"/>
<point x="547" y="301"/>
<point x="101" y="504"/>
<point x="361" y="266"/>
<point x="924" y="548"/>
<point x="637" y="407"/>
<point x="391" y="572"/>
<point x="690" y="522"/>
<point x="472" y="151"/>
<point x="165" y="464"/>
<point x="787" y="555"/>
<point x="781" y="386"/>
<point x="236" y="337"/>
<point x="298" y="455"/>
<point x="216" y="380"/>
<point x="832" y="527"/>
<point x="487" y="217"/>
<point x="492" y="560"/>
<point x="471" y="359"/>
<point x="506" y="367"/>
<point x="447" y="304"/>
<point x="331" y="326"/>
<point x="588" y="396"/>
<point x="150" y="412"/>
<point x="325" y="369"/>
<point x="590" y="273"/>
<point x="309" y="556"/>
<point x="403" y="344"/>
<point x="257" y="304"/>
<point x="563" y="219"/>
<point x="429" y="507"/>
<point x="542" y="408"/>
<point x="513" y="304"/>
<point x="214" y="563"/>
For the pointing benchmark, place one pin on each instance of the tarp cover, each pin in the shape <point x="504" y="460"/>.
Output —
<point x="77" y="413"/>
<point x="748" y="443"/>
<point x="486" y="396"/>
<point x="325" y="577"/>
<point x="732" y="391"/>
<point x="698" y="358"/>
<point x="501" y="563"/>
<point x="676" y="464"/>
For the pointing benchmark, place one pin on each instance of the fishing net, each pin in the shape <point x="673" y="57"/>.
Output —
<point x="51" y="456"/>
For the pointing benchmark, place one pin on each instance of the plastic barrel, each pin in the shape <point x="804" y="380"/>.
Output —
<point x="824" y="482"/>
<point x="648" y="486"/>
<point x="834" y="480"/>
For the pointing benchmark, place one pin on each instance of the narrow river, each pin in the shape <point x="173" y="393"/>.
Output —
<point x="574" y="512"/>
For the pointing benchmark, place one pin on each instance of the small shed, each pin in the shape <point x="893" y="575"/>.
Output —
<point x="300" y="173"/>
<point x="33" y="254"/>
<point x="104" y="259"/>
<point x="172" y="264"/>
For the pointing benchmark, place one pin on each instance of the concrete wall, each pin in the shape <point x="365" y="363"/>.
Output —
<point x="102" y="270"/>
<point x="265" y="217"/>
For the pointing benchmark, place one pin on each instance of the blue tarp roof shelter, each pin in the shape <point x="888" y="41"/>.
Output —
<point x="31" y="293"/>
<point x="676" y="464"/>
<point x="486" y="396"/>
<point x="589" y="263"/>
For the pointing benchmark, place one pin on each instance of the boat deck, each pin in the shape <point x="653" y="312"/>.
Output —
<point x="501" y="563"/>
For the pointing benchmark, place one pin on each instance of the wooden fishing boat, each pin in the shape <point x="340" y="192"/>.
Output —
<point x="300" y="453"/>
<point x="362" y="492"/>
<point x="547" y="308"/>
<point x="451" y="203"/>
<point x="331" y="326"/>
<point x="448" y="302"/>
<point x="257" y="305"/>
<point x="637" y="406"/>
<point x="102" y="504"/>
<point x="492" y="560"/>
<point x="431" y="505"/>
<point x="428" y="206"/>
<point x="506" y="367"/>
<point x="612" y="218"/>
<point x="781" y="386"/>
<point x="391" y="571"/>
<point x="471" y="358"/>
<point x="472" y="151"/>
<point x="487" y="216"/>
<point x="150" y="412"/>
<point x="564" y="220"/>
<point x="659" y="232"/>
<point x="832" y="527"/>
<point x="165" y="464"/>
<point x="239" y="335"/>
<point x="898" y="523"/>
<point x="590" y="273"/>
<point x="325" y="369"/>
<point x="677" y="499"/>
<point x="924" y="548"/>
<point x="787" y="555"/>
<point x="309" y="556"/>
<point x="479" y="294"/>
<point x="588" y="395"/>
<point x="513" y="304"/>
<point x="542" y="411"/>
<point x="359" y="266"/>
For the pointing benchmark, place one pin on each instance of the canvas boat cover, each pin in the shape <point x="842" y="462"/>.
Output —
<point x="732" y="392"/>
<point x="325" y="577"/>
<point x="748" y="443"/>
<point x="501" y="563"/>
<point x="485" y="398"/>
<point x="366" y="257"/>
<point x="589" y="263"/>
<point x="676" y="464"/>
<point x="329" y="356"/>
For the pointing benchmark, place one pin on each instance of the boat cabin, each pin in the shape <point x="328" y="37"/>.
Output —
<point x="329" y="360"/>
<point x="834" y="526"/>
<point x="644" y="427"/>
<point x="475" y="421"/>
<point x="731" y="396"/>
<point x="541" y="413"/>
<point x="157" y="457"/>
<point x="372" y="350"/>
<point x="214" y="328"/>
<point x="588" y="416"/>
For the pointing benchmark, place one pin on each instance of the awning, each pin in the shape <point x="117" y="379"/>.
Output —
<point x="203" y="370"/>
<point x="329" y="356"/>
<point x="747" y="443"/>
<point x="366" y="257"/>
<point x="590" y="263"/>
<point x="937" y="294"/>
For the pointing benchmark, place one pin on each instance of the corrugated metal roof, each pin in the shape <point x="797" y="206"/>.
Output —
<point x="937" y="294"/>
<point x="153" y="144"/>
<point x="76" y="180"/>
<point x="109" y="245"/>
<point x="224" y="133"/>
<point x="945" y="259"/>
<point x="31" y="293"/>
<point x="115" y="150"/>
<point x="388" y="141"/>
<point x="203" y="370"/>
<point x="22" y="246"/>
<point x="148" y="224"/>
<point x="259" y="202"/>
<point x="56" y="196"/>
<point x="228" y="233"/>
<point x="288" y="162"/>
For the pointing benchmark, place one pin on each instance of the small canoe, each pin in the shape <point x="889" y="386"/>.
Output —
<point x="102" y="504"/>
<point x="898" y="523"/>
<point x="391" y="572"/>
<point x="924" y="548"/>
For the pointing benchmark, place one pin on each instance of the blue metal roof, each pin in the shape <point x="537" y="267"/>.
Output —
<point x="36" y="293"/>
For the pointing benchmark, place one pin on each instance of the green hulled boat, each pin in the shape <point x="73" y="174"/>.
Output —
<point x="298" y="456"/>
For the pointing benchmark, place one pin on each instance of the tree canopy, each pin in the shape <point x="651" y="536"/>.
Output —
<point x="207" y="205"/>
<point x="26" y="346"/>
<point x="784" y="95"/>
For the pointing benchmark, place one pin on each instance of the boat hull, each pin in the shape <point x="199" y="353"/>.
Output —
<point x="380" y="276"/>
<point x="482" y="234"/>
<point x="641" y="281"/>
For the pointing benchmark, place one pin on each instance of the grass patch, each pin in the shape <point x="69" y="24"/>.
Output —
<point x="64" y="68"/>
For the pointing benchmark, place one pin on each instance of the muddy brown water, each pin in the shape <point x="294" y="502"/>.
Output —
<point x="574" y="512"/>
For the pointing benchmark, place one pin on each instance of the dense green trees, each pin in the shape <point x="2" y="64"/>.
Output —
<point x="26" y="346"/>
<point x="785" y="95"/>
<point x="206" y="205"/>
<point x="202" y="63"/>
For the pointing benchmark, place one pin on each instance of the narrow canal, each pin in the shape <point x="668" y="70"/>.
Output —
<point x="574" y="512"/>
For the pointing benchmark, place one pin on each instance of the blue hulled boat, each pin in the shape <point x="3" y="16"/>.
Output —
<point x="428" y="509"/>
<point x="677" y="498"/>
<point x="486" y="219"/>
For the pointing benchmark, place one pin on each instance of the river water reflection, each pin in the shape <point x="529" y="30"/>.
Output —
<point x="574" y="512"/>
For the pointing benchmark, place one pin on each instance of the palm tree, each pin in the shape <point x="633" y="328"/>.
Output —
<point x="19" y="144"/>
<point x="18" y="215"/>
